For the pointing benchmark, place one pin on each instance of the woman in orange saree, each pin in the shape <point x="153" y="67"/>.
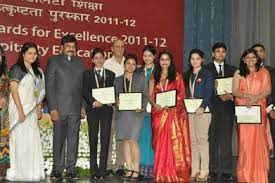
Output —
<point x="251" y="86"/>
<point x="171" y="139"/>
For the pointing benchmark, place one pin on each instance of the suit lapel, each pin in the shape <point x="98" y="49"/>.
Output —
<point x="226" y="71"/>
<point x="214" y="70"/>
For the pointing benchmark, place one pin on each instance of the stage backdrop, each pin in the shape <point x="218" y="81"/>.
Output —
<point x="94" y="23"/>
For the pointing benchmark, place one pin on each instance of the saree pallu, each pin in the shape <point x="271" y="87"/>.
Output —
<point x="171" y="138"/>
<point x="253" y="163"/>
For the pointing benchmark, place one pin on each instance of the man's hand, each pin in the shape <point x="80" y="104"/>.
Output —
<point x="54" y="115"/>
<point x="83" y="113"/>
<point x="272" y="114"/>
<point x="227" y="96"/>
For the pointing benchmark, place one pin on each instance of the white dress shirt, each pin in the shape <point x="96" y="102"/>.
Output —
<point x="112" y="65"/>
<point x="217" y="65"/>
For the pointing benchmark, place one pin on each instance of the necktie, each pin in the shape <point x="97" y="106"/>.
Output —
<point x="100" y="82"/>
<point x="220" y="71"/>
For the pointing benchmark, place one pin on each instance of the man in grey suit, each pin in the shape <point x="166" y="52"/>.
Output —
<point x="64" y="75"/>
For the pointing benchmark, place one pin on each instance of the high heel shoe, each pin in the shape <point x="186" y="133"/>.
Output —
<point x="194" y="176"/>
<point x="125" y="176"/>
<point x="202" y="177"/>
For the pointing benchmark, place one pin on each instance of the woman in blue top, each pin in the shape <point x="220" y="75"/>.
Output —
<point x="145" y="139"/>
<point x="200" y="85"/>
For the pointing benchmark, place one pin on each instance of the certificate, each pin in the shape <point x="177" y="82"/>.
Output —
<point x="104" y="95"/>
<point x="167" y="98"/>
<point x="130" y="101"/>
<point x="224" y="84"/>
<point x="248" y="115"/>
<point x="192" y="104"/>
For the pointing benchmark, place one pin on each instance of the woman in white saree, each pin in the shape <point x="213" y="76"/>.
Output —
<point x="27" y="88"/>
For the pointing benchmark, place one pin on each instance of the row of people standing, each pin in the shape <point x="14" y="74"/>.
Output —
<point x="170" y="127"/>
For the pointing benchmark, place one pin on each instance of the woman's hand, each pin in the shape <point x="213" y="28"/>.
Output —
<point x="97" y="104"/>
<point x="139" y="110"/>
<point x="199" y="111"/>
<point x="158" y="107"/>
<point x="22" y="116"/>
<point x="39" y="114"/>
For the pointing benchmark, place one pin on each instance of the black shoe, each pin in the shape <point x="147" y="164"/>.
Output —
<point x="227" y="178"/>
<point x="105" y="173"/>
<point x="213" y="177"/>
<point x="56" y="175"/>
<point x="95" y="174"/>
<point x="72" y="175"/>
<point x="120" y="172"/>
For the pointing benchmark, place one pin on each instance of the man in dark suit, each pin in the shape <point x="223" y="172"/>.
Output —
<point x="223" y="114"/>
<point x="260" y="49"/>
<point x="97" y="113"/>
<point x="64" y="74"/>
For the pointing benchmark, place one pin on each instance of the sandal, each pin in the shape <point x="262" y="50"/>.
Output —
<point x="125" y="176"/>
<point x="137" y="177"/>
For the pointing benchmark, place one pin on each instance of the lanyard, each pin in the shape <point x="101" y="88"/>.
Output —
<point x="192" y="85"/>
<point x="130" y="85"/>
<point x="145" y="70"/>
<point x="166" y="85"/>
<point x="104" y="78"/>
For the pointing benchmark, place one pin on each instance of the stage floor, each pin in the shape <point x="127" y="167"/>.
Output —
<point x="114" y="179"/>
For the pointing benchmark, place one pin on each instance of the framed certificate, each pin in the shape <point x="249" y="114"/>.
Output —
<point x="246" y="115"/>
<point x="192" y="104"/>
<point x="167" y="98"/>
<point x="104" y="95"/>
<point x="130" y="101"/>
<point x="224" y="84"/>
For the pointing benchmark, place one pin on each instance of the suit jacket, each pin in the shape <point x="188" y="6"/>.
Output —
<point x="271" y="97"/>
<point x="139" y="84"/>
<point x="229" y="71"/>
<point x="89" y="83"/>
<point x="204" y="87"/>
<point x="64" y="84"/>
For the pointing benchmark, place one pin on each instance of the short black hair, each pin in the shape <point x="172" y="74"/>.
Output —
<point x="218" y="45"/>
<point x="97" y="50"/>
<point x="258" y="45"/>
<point x="130" y="56"/>
<point x="68" y="39"/>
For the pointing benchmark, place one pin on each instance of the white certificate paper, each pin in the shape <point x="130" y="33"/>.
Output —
<point x="167" y="98"/>
<point x="248" y="115"/>
<point x="104" y="95"/>
<point x="192" y="104"/>
<point x="130" y="101"/>
<point x="224" y="84"/>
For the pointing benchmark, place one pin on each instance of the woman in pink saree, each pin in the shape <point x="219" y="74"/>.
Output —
<point x="251" y="86"/>
<point x="171" y="139"/>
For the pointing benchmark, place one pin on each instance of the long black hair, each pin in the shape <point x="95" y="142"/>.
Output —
<point x="244" y="71"/>
<point x="3" y="66"/>
<point x="171" y="70"/>
<point x="35" y="64"/>
<point x="190" y="69"/>
<point x="151" y="49"/>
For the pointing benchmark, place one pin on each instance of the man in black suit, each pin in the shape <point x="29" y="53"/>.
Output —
<point x="260" y="49"/>
<point x="97" y="113"/>
<point x="64" y="74"/>
<point x="223" y="115"/>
